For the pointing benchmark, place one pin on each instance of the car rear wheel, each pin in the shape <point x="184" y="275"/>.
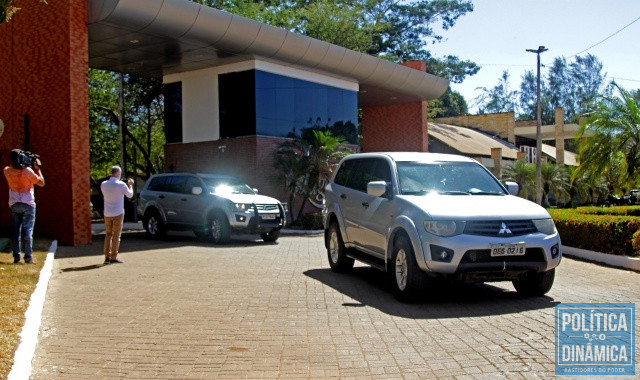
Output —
<point x="406" y="278"/>
<point x="270" y="237"/>
<point x="219" y="226"/>
<point x="534" y="284"/>
<point x="336" y="251"/>
<point x="153" y="224"/>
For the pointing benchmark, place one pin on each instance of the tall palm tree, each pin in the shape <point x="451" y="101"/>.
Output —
<point x="554" y="180"/>
<point x="615" y="124"/>
<point x="524" y="175"/>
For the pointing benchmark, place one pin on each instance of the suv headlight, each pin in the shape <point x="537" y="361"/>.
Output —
<point x="545" y="226"/>
<point x="444" y="228"/>
<point x="240" y="207"/>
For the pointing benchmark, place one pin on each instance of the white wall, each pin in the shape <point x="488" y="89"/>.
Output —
<point x="200" y="106"/>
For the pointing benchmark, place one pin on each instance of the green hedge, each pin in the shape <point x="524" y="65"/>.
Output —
<point x="607" y="230"/>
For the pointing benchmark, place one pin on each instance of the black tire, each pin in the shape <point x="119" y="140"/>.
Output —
<point x="154" y="225"/>
<point x="407" y="280"/>
<point x="270" y="237"/>
<point x="534" y="284"/>
<point x="219" y="228"/>
<point x="336" y="251"/>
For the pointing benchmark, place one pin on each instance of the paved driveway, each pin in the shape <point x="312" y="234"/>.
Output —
<point x="182" y="308"/>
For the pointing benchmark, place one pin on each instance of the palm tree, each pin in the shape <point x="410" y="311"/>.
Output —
<point x="615" y="124"/>
<point x="306" y="163"/>
<point x="554" y="180"/>
<point x="524" y="175"/>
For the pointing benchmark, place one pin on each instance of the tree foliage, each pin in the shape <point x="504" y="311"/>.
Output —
<point x="390" y="29"/>
<point x="570" y="85"/>
<point x="143" y="123"/>
<point x="613" y="149"/>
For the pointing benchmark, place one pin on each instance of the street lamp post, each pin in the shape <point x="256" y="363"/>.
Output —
<point x="540" y="49"/>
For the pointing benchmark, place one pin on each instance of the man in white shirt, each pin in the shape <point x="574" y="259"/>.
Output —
<point x="113" y="191"/>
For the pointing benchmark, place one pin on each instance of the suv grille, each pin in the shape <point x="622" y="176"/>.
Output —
<point x="484" y="256"/>
<point x="266" y="207"/>
<point x="499" y="228"/>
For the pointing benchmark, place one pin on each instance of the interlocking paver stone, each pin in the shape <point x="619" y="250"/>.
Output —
<point x="183" y="308"/>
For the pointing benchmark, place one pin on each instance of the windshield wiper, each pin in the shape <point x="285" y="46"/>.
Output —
<point x="484" y="193"/>
<point x="454" y="192"/>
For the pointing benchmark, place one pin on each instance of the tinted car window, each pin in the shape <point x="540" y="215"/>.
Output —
<point x="344" y="172"/>
<point x="417" y="178"/>
<point x="157" y="184"/>
<point x="191" y="183"/>
<point x="175" y="184"/>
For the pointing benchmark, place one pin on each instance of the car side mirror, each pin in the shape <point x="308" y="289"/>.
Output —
<point x="255" y="190"/>
<point x="512" y="187"/>
<point x="196" y="190"/>
<point x="376" y="188"/>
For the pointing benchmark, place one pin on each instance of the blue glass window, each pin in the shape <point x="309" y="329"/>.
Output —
<point x="260" y="103"/>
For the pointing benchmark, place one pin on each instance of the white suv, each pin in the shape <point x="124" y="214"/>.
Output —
<point x="210" y="205"/>
<point x="421" y="215"/>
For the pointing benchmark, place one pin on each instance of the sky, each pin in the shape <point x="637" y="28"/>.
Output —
<point x="497" y="33"/>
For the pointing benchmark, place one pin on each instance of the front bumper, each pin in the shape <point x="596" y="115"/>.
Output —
<point x="255" y="220"/>
<point x="471" y="256"/>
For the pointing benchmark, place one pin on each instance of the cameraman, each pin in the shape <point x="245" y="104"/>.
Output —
<point x="22" y="203"/>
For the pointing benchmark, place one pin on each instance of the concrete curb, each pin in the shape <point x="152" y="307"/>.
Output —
<point x="23" y="357"/>
<point x="604" y="258"/>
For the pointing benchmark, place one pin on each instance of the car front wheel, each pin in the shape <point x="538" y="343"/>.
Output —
<point x="406" y="278"/>
<point x="154" y="225"/>
<point x="219" y="226"/>
<point x="534" y="284"/>
<point x="336" y="251"/>
<point x="270" y="237"/>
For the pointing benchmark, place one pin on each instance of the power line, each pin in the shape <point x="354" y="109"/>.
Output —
<point x="596" y="44"/>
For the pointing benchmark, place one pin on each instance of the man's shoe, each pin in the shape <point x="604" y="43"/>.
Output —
<point x="116" y="261"/>
<point x="30" y="261"/>
<point x="107" y="261"/>
<point x="16" y="261"/>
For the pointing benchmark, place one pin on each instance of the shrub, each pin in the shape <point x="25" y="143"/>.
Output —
<point x="609" y="231"/>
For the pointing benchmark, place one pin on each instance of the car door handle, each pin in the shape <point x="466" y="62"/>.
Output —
<point x="365" y="204"/>
<point x="161" y="196"/>
<point x="343" y="196"/>
<point x="184" y="199"/>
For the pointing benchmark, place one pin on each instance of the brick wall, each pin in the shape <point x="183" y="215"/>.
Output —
<point x="501" y="124"/>
<point x="396" y="127"/>
<point x="44" y="75"/>
<point x="249" y="158"/>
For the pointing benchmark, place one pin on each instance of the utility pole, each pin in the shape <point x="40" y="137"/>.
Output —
<point x="122" y="127"/>
<point x="541" y="49"/>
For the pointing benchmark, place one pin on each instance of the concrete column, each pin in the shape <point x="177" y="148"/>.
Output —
<point x="396" y="127"/>
<point x="521" y="156"/>
<point x="496" y="156"/>
<point x="559" y="136"/>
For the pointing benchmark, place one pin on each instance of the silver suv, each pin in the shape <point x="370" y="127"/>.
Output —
<point x="210" y="205"/>
<point x="420" y="216"/>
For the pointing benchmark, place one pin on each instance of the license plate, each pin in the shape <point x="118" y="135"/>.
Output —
<point x="517" y="249"/>
<point x="268" y="216"/>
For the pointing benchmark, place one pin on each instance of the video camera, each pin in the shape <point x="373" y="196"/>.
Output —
<point x="21" y="159"/>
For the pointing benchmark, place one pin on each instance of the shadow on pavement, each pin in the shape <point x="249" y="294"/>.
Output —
<point x="368" y="287"/>
<point x="138" y="241"/>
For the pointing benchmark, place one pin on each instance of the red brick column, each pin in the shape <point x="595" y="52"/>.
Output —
<point x="43" y="73"/>
<point x="396" y="127"/>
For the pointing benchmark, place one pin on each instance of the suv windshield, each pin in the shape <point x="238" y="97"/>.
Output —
<point x="227" y="186"/>
<point x="464" y="178"/>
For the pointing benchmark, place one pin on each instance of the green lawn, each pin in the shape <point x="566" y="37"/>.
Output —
<point x="17" y="283"/>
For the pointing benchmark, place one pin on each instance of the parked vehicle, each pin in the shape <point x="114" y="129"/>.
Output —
<point x="614" y="200"/>
<point x="420" y="216"/>
<point x="210" y="205"/>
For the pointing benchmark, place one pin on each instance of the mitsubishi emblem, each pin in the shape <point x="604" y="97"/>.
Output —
<point x="504" y="230"/>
